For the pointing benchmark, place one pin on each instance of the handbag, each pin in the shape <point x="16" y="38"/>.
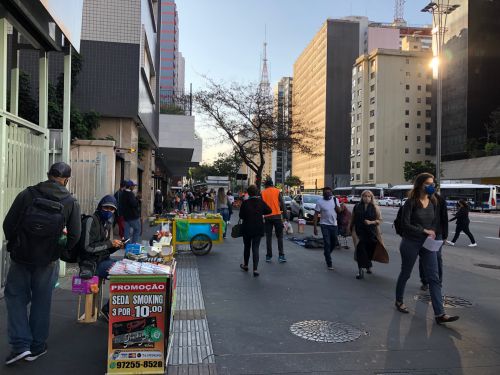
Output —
<point x="237" y="230"/>
<point x="380" y="254"/>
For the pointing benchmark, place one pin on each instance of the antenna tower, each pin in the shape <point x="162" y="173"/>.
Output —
<point x="265" y="85"/>
<point x="399" y="12"/>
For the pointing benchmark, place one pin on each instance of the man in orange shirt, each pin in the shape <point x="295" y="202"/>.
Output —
<point x="274" y="199"/>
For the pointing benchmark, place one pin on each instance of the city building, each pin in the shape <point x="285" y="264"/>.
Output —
<point x="321" y="102"/>
<point x="119" y="80"/>
<point x="282" y="156"/>
<point x="169" y="52"/>
<point x="470" y="77"/>
<point x="390" y="113"/>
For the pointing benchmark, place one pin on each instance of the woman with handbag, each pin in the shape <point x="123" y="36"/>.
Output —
<point x="252" y="213"/>
<point x="364" y="226"/>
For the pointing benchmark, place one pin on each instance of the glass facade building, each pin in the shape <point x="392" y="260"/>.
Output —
<point x="169" y="48"/>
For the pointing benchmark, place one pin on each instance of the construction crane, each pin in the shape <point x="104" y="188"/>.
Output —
<point x="399" y="12"/>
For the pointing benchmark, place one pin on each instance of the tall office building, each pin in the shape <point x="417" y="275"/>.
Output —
<point x="282" y="156"/>
<point x="321" y="102"/>
<point x="471" y="76"/>
<point x="391" y="113"/>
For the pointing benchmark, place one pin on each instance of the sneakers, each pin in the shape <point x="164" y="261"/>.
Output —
<point x="281" y="259"/>
<point x="473" y="244"/>
<point x="450" y="243"/>
<point x="14" y="357"/>
<point x="330" y="268"/>
<point x="36" y="353"/>
<point x="268" y="258"/>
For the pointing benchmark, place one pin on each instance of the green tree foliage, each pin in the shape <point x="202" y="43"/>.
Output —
<point x="293" y="181"/>
<point x="224" y="165"/>
<point x="412" y="169"/>
<point x="28" y="107"/>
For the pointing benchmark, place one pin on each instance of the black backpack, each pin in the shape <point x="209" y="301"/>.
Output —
<point x="40" y="230"/>
<point x="80" y="246"/>
<point x="398" y="222"/>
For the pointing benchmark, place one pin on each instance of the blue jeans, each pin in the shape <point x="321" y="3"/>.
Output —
<point x="104" y="267"/>
<point x="410" y="250"/>
<point x="423" y="279"/>
<point x="135" y="225"/>
<point x="225" y="217"/>
<point x="25" y="285"/>
<point x="330" y="238"/>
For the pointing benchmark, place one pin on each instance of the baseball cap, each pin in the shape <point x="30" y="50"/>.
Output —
<point x="60" y="169"/>
<point x="131" y="183"/>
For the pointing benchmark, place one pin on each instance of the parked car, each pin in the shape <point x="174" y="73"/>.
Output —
<point x="288" y="201"/>
<point x="302" y="206"/>
<point x="354" y="198"/>
<point x="342" y="198"/>
<point x="389" y="201"/>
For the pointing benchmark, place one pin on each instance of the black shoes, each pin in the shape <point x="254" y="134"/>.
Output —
<point x="256" y="273"/>
<point x="14" y="357"/>
<point x="36" y="354"/>
<point x="244" y="268"/>
<point x="361" y="274"/>
<point x="400" y="306"/>
<point x="446" y="319"/>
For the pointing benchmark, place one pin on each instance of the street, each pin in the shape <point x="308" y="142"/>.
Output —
<point x="250" y="319"/>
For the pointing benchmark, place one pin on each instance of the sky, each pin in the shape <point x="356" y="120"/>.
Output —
<point x="223" y="39"/>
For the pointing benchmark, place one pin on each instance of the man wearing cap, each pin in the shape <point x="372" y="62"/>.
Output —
<point x="35" y="267"/>
<point x="130" y="206"/>
<point x="274" y="199"/>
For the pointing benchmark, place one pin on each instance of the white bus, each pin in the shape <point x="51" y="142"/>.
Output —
<point x="480" y="197"/>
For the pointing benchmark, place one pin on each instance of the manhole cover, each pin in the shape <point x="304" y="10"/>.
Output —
<point x="448" y="301"/>
<point x="492" y="266"/>
<point x="324" y="331"/>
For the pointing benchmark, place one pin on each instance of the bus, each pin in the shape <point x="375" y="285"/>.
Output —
<point x="479" y="197"/>
<point x="356" y="191"/>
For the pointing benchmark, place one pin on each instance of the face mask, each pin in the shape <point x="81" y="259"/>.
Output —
<point x="430" y="189"/>
<point x="105" y="215"/>
<point x="327" y="196"/>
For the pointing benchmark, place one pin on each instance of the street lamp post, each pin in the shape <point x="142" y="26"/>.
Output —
<point x="440" y="10"/>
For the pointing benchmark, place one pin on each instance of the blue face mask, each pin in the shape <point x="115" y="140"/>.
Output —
<point x="105" y="215"/>
<point x="430" y="189"/>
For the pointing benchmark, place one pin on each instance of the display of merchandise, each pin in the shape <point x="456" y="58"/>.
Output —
<point x="130" y="267"/>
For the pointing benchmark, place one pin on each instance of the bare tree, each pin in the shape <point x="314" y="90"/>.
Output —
<point x="243" y="114"/>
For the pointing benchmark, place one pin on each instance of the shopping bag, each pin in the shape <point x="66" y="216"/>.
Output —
<point x="380" y="254"/>
<point x="237" y="230"/>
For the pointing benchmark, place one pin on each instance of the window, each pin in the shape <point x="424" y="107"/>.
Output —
<point x="407" y="151"/>
<point x="419" y="113"/>
<point x="419" y="75"/>
<point x="352" y="165"/>
<point x="407" y="99"/>
<point x="407" y="61"/>
<point x="352" y="176"/>
<point x="427" y="139"/>
<point x="358" y="153"/>
<point x="428" y="100"/>
<point x="358" y="116"/>
<point x="428" y="113"/>
<point x="371" y="151"/>
<point x="372" y="113"/>
<point x="372" y="125"/>
<point x="358" y="177"/>
<point x="419" y="88"/>
<point x="358" y="141"/>
<point x="419" y="100"/>
<point x="353" y="130"/>
<point x="406" y="137"/>
<point x="372" y="100"/>
<point x="353" y="108"/>
<point x="428" y="88"/>
<point x="360" y="92"/>
<point x="372" y="88"/>
<point x="427" y="126"/>
<point x="407" y="87"/>
<point x="372" y="163"/>
<point x="418" y="138"/>
<point x="359" y="80"/>
<point x="407" y="112"/>
<point x="372" y="138"/>
<point x="418" y="151"/>
<point x="407" y="125"/>
<point x="358" y="128"/>
<point x="419" y="126"/>
<point x="407" y="74"/>
<point x="372" y="75"/>
<point x="427" y="151"/>
<point x="360" y="104"/>
<point x="358" y="165"/>
<point x="370" y="176"/>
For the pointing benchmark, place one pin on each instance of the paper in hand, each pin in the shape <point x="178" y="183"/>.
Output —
<point x="432" y="245"/>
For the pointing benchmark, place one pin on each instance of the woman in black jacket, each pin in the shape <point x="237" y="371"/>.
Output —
<point x="462" y="218"/>
<point x="251" y="213"/>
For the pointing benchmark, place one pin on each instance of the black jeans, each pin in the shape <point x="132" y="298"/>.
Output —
<point x="364" y="253"/>
<point x="251" y="243"/>
<point x="466" y="230"/>
<point x="277" y="224"/>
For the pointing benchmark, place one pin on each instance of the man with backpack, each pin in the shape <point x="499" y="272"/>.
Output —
<point x="42" y="226"/>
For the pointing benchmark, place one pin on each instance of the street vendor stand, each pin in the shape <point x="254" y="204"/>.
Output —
<point x="140" y="322"/>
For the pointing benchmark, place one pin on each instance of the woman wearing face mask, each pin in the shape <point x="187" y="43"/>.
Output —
<point x="364" y="227"/>
<point x="462" y="218"/>
<point x="421" y="219"/>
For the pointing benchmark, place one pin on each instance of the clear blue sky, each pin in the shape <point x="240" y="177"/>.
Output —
<point x="223" y="38"/>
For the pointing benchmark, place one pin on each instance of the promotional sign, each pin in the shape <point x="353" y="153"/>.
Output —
<point x="137" y="314"/>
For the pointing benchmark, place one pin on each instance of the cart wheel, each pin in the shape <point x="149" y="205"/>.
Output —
<point x="201" y="244"/>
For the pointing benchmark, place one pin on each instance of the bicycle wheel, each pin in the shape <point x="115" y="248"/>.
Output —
<point x="201" y="244"/>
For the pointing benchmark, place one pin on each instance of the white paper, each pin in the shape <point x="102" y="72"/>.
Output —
<point x="432" y="245"/>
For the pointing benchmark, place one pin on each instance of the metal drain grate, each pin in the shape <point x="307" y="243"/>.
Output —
<point x="448" y="301"/>
<point x="491" y="266"/>
<point x="324" y="331"/>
